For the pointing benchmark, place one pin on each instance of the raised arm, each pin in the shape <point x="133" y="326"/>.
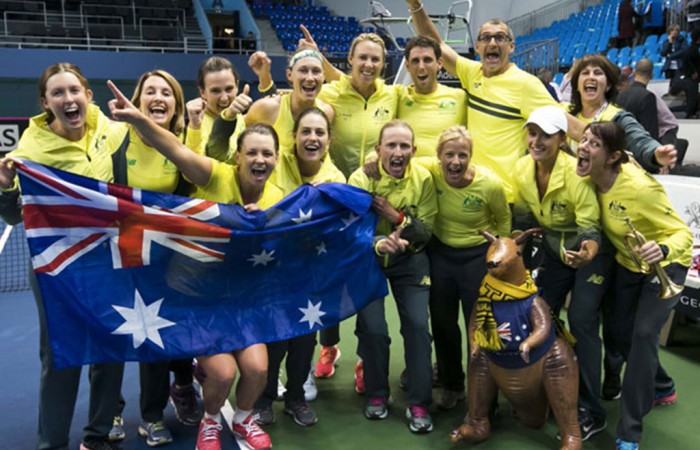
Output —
<point x="330" y="72"/>
<point x="425" y="27"/>
<point x="195" y="167"/>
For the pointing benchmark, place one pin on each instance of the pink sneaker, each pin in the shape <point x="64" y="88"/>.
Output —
<point x="209" y="435"/>
<point x="251" y="435"/>
<point x="325" y="367"/>
<point x="359" y="377"/>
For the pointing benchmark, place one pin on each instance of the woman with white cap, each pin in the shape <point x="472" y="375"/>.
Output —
<point x="549" y="195"/>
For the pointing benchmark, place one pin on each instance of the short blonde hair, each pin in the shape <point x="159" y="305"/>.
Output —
<point x="452" y="133"/>
<point x="396" y="123"/>
<point x="372" y="37"/>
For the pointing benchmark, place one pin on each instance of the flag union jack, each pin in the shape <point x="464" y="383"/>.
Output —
<point x="504" y="331"/>
<point x="80" y="219"/>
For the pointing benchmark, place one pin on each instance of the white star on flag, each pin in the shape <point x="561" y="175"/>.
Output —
<point x="312" y="314"/>
<point x="321" y="248"/>
<point x="262" y="258"/>
<point x="142" y="322"/>
<point x="352" y="218"/>
<point x="303" y="217"/>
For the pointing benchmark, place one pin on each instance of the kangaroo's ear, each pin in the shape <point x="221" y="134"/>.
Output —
<point x="524" y="236"/>
<point x="488" y="236"/>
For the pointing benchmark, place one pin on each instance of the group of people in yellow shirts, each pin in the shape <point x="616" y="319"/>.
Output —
<point x="524" y="162"/>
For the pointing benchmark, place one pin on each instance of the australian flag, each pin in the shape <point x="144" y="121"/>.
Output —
<point x="133" y="275"/>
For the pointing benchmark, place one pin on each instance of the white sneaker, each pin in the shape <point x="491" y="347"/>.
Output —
<point x="310" y="389"/>
<point x="280" y="387"/>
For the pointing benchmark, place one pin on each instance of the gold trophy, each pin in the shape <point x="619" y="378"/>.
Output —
<point x="634" y="238"/>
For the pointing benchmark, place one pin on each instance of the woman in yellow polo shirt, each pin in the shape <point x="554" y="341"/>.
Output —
<point x="470" y="198"/>
<point x="629" y="195"/>
<point x="159" y="96"/>
<point x="245" y="184"/>
<point x="73" y="135"/>
<point x="306" y="162"/>
<point x="548" y="195"/>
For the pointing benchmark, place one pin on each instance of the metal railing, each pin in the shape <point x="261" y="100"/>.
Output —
<point x="23" y="11"/>
<point x="535" y="55"/>
<point x="545" y="16"/>
<point x="133" y="9"/>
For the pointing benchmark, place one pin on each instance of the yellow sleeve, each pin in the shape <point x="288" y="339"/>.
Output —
<point x="428" y="207"/>
<point x="360" y="180"/>
<point x="587" y="211"/>
<point x="657" y="209"/>
<point x="499" y="207"/>
<point x="193" y="140"/>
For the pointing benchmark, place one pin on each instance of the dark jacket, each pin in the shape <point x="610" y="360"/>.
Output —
<point x="641" y="103"/>
<point x="673" y="51"/>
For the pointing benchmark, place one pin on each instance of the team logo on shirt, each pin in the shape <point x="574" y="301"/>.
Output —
<point x="381" y="113"/>
<point x="617" y="210"/>
<point x="98" y="143"/>
<point x="558" y="208"/>
<point x="477" y="85"/>
<point x="131" y="162"/>
<point x="447" y="104"/>
<point x="408" y="103"/>
<point x="472" y="203"/>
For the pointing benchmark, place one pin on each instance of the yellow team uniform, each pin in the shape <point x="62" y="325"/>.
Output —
<point x="91" y="156"/>
<point x="498" y="108"/>
<point x="462" y="212"/>
<point x="357" y="121"/>
<point x="568" y="211"/>
<point x="638" y="196"/>
<point x="430" y="114"/>
<point x="147" y="169"/>
<point x="196" y="140"/>
<point x="414" y="193"/>
<point x="287" y="176"/>
<point x="223" y="187"/>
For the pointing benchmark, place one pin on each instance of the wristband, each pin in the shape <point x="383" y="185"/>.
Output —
<point x="416" y="9"/>
<point x="399" y="221"/>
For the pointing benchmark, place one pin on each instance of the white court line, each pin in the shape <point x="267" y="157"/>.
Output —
<point x="5" y="236"/>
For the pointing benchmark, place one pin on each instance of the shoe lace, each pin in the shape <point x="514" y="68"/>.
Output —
<point x="210" y="430"/>
<point x="157" y="426"/>
<point x="251" y="427"/>
<point x="186" y="397"/>
<point x="326" y="356"/>
<point x="418" y="412"/>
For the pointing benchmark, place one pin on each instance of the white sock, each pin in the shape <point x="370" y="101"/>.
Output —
<point x="241" y="415"/>
<point x="215" y="417"/>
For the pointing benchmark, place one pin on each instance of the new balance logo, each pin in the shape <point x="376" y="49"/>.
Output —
<point x="596" y="279"/>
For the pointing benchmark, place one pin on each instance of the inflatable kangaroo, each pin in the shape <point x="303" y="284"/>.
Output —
<point x="514" y="349"/>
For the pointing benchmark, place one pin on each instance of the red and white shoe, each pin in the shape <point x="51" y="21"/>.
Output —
<point x="251" y="435"/>
<point x="360" y="377"/>
<point x="325" y="367"/>
<point x="209" y="437"/>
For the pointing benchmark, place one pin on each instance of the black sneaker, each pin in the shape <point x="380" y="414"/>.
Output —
<point x="93" y="443"/>
<point x="612" y="387"/>
<point x="589" y="425"/>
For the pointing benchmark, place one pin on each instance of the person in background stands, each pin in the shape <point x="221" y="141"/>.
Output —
<point x="673" y="49"/>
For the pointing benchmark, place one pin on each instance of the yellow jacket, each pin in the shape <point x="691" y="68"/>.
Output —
<point x="357" y="121"/>
<point x="287" y="176"/>
<point x="568" y="211"/>
<point x="638" y="196"/>
<point x="414" y="194"/>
